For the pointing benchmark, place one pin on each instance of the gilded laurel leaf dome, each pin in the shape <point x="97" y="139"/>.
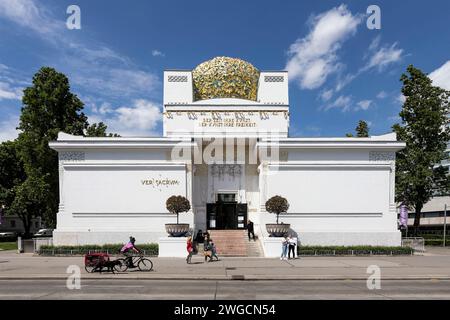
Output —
<point x="224" y="77"/>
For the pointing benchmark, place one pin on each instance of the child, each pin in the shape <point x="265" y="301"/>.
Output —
<point x="213" y="250"/>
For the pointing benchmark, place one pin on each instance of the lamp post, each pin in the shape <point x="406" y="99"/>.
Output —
<point x="445" y="222"/>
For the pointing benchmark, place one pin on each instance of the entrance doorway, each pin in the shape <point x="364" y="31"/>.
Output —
<point x="226" y="213"/>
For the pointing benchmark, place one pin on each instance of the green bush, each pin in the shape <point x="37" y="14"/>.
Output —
<point x="353" y="250"/>
<point x="150" y="249"/>
<point x="436" y="242"/>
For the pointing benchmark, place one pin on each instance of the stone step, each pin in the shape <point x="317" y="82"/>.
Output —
<point x="230" y="242"/>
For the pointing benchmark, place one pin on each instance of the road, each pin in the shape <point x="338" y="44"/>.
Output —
<point x="211" y="290"/>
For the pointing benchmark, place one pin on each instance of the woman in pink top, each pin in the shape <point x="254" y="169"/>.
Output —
<point x="190" y="249"/>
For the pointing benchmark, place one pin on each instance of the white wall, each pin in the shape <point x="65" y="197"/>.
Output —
<point x="106" y="203"/>
<point x="338" y="199"/>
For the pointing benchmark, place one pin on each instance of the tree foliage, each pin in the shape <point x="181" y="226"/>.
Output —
<point x="362" y="130"/>
<point x="29" y="177"/>
<point x="12" y="172"/>
<point x="99" y="130"/>
<point x="48" y="108"/>
<point x="178" y="204"/>
<point x="277" y="205"/>
<point x="425" y="130"/>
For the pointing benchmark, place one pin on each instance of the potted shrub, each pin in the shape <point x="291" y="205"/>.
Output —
<point x="177" y="205"/>
<point x="277" y="205"/>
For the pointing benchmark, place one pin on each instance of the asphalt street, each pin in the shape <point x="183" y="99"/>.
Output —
<point x="38" y="289"/>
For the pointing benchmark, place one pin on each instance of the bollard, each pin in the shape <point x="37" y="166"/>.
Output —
<point x="19" y="245"/>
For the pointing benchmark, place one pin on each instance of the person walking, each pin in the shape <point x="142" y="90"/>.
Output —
<point x="213" y="248"/>
<point x="250" y="230"/>
<point x="292" y="242"/>
<point x="284" y="248"/>
<point x="190" y="249"/>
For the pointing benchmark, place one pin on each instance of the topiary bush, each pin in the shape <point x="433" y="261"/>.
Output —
<point x="277" y="205"/>
<point x="178" y="204"/>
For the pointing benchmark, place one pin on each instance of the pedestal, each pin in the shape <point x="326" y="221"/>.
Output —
<point x="172" y="247"/>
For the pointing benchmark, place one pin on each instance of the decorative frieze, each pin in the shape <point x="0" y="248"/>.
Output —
<point x="72" y="156"/>
<point x="177" y="79"/>
<point x="273" y="78"/>
<point x="381" y="156"/>
<point x="220" y="170"/>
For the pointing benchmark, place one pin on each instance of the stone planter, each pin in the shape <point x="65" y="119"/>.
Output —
<point x="177" y="229"/>
<point x="278" y="230"/>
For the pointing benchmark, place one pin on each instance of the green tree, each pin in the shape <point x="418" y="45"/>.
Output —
<point x="12" y="173"/>
<point x="48" y="108"/>
<point x="425" y="130"/>
<point x="28" y="167"/>
<point x="99" y="130"/>
<point x="362" y="130"/>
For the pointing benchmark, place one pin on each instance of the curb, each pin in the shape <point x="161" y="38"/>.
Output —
<point x="178" y="277"/>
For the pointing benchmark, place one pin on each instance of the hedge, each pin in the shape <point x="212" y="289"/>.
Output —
<point x="150" y="249"/>
<point x="353" y="250"/>
<point x="437" y="242"/>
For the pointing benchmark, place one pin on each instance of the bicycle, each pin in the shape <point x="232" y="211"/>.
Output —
<point x="138" y="261"/>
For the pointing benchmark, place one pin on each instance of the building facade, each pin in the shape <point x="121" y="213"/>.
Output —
<point x="226" y="147"/>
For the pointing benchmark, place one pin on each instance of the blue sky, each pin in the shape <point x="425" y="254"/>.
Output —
<point x="340" y="71"/>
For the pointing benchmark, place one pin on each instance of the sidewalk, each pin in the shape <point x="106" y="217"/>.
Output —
<point x="434" y="264"/>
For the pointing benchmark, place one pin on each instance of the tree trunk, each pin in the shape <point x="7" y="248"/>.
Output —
<point x="177" y="218"/>
<point x="26" y="225"/>
<point x="416" y="225"/>
<point x="277" y="217"/>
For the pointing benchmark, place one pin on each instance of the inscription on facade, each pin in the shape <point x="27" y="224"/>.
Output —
<point x="159" y="183"/>
<point x="227" y="123"/>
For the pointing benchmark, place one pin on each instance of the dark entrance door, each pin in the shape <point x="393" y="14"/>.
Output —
<point x="226" y="213"/>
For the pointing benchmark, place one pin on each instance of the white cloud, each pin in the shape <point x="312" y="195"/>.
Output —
<point x="364" y="104"/>
<point x="94" y="67"/>
<point x="139" y="119"/>
<point x="441" y="76"/>
<point x="313" y="58"/>
<point x="157" y="53"/>
<point x="380" y="58"/>
<point x="7" y="92"/>
<point x="326" y="95"/>
<point x="342" y="82"/>
<point x="394" y="119"/>
<point x="27" y="14"/>
<point x="115" y="82"/>
<point x="400" y="99"/>
<point x="8" y="128"/>
<point x="342" y="102"/>
<point x="382" y="94"/>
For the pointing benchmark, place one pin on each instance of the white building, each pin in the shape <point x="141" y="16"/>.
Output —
<point x="340" y="190"/>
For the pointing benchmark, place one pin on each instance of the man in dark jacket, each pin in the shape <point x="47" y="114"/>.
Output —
<point x="250" y="230"/>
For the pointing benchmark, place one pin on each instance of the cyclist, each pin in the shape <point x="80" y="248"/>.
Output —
<point x="128" y="250"/>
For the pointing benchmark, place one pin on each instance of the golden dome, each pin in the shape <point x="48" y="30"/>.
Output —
<point x="224" y="77"/>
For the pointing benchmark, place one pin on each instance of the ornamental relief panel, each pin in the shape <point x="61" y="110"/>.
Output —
<point x="381" y="156"/>
<point x="72" y="156"/>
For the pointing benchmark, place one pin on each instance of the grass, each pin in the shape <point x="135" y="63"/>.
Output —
<point x="8" y="245"/>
